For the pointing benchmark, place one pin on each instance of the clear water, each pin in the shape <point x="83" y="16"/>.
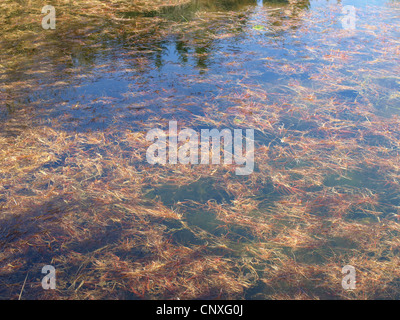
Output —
<point x="209" y="56"/>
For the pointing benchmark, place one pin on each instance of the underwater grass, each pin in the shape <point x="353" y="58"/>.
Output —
<point x="324" y="193"/>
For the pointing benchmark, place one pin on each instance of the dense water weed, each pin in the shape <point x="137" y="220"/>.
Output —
<point x="77" y="193"/>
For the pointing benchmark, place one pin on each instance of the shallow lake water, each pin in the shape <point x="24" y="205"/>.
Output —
<point x="76" y="191"/>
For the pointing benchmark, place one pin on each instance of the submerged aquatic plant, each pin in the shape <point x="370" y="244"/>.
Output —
<point x="76" y="190"/>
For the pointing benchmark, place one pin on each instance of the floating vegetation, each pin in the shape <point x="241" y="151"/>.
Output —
<point x="76" y="191"/>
